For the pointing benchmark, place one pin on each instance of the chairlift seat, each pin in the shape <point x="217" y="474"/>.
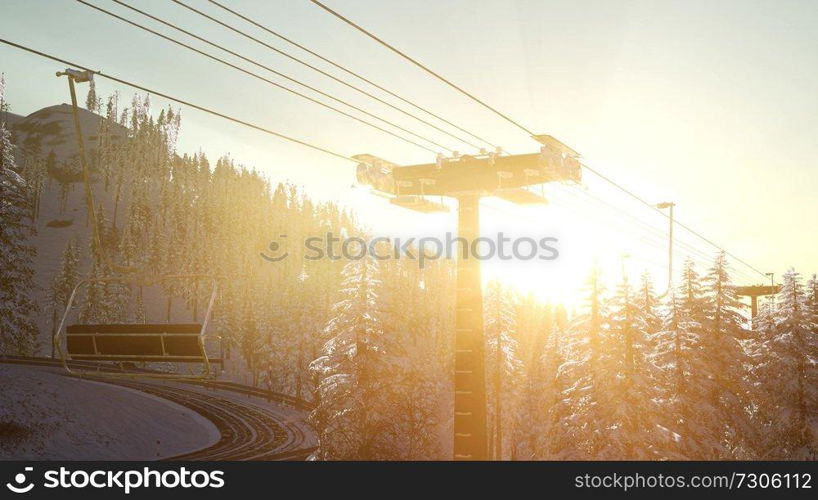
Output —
<point x="176" y="343"/>
<point x="135" y="342"/>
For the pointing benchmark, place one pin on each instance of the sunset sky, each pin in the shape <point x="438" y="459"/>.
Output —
<point x="713" y="105"/>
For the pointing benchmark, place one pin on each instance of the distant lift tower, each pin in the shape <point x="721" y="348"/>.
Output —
<point x="468" y="178"/>
<point x="754" y="292"/>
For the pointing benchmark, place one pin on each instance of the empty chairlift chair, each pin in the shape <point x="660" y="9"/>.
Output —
<point x="134" y="342"/>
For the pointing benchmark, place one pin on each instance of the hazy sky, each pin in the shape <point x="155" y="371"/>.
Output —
<point x="712" y="104"/>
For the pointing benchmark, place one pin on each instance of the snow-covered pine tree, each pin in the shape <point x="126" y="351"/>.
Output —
<point x="95" y="305"/>
<point x="669" y="358"/>
<point x="64" y="282"/>
<point x="532" y="328"/>
<point x="170" y="129"/>
<point x="729" y="363"/>
<point x="104" y="301"/>
<point x="645" y="299"/>
<point x="18" y="331"/>
<point x="91" y="101"/>
<point x="408" y="320"/>
<point x="789" y="377"/>
<point x="253" y="342"/>
<point x="763" y="369"/>
<point x="546" y="392"/>
<point x="502" y="363"/>
<point x="812" y="299"/>
<point x="34" y="172"/>
<point x="630" y="398"/>
<point x="695" y="423"/>
<point x="583" y="374"/>
<point x="356" y="371"/>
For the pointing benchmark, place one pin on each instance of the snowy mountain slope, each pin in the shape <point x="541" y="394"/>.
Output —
<point x="10" y="118"/>
<point x="51" y="129"/>
<point x="50" y="134"/>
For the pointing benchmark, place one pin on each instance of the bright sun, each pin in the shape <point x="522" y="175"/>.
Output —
<point x="586" y="239"/>
<point x="588" y="234"/>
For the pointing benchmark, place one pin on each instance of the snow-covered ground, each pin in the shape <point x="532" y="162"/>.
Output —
<point x="45" y="415"/>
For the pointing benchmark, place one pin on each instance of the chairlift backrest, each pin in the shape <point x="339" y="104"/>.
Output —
<point x="121" y="342"/>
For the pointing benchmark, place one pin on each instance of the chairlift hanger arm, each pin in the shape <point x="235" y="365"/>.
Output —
<point x="82" y="76"/>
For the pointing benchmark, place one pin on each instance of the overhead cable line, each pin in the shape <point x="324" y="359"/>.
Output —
<point x="421" y="66"/>
<point x="649" y="235"/>
<point x="662" y="233"/>
<point x="676" y="221"/>
<point x="524" y="129"/>
<point x="659" y="234"/>
<point x="350" y="72"/>
<point x="263" y="66"/>
<point x="322" y="72"/>
<point x="180" y="101"/>
<point x="277" y="85"/>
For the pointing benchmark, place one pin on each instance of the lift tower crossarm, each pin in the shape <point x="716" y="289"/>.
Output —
<point x="481" y="175"/>
<point x="754" y="292"/>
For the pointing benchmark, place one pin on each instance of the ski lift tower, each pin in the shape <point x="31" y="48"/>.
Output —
<point x="468" y="178"/>
<point x="754" y="292"/>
